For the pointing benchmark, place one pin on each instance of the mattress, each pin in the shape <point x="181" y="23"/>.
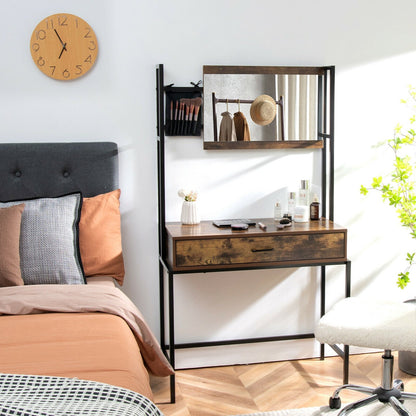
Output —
<point x="91" y="346"/>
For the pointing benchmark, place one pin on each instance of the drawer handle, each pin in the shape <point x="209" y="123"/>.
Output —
<point x="255" y="250"/>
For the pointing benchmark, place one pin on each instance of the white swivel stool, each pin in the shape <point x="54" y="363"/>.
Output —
<point x="375" y="324"/>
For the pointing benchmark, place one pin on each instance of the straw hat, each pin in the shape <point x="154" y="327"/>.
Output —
<point x="263" y="110"/>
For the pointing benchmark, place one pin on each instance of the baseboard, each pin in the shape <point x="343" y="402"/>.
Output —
<point x="254" y="353"/>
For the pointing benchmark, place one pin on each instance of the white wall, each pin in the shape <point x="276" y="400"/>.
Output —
<point x="371" y="44"/>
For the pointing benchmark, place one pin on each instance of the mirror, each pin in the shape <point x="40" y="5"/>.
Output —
<point x="229" y="90"/>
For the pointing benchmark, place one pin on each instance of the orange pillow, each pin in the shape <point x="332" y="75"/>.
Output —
<point x="10" y="219"/>
<point x="100" y="236"/>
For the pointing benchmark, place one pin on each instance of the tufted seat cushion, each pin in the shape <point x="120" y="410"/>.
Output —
<point x="370" y="323"/>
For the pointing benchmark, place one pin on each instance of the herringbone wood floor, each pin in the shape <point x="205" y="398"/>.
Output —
<point x="252" y="388"/>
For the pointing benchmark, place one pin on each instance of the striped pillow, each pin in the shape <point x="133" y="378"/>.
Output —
<point x="49" y="251"/>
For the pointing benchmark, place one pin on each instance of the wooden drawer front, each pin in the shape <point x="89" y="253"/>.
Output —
<point x="240" y="250"/>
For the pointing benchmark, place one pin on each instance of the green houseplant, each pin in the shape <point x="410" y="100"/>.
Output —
<point x="399" y="187"/>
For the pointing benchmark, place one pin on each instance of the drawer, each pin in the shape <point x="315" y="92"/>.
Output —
<point x="267" y="249"/>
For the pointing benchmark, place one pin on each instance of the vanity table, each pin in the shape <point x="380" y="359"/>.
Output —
<point x="205" y="248"/>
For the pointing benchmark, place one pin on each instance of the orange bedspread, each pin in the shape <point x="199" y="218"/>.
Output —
<point x="92" y="346"/>
<point x="35" y="299"/>
<point x="91" y="332"/>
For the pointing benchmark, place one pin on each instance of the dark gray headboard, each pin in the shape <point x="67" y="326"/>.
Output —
<point x="33" y="170"/>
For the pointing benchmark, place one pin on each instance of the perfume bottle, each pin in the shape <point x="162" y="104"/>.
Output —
<point x="314" y="208"/>
<point x="304" y="193"/>
<point x="291" y="204"/>
<point x="278" y="215"/>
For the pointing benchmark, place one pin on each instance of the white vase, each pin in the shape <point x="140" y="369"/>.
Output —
<point x="189" y="213"/>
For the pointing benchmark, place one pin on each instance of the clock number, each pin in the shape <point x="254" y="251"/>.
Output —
<point x="41" y="61"/>
<point x="53" y="67"/>
<point x="92" y="46"/>
<point x="35" y="47"/>
<point x="49" y="24"/>
<point x="79" y="69"/>
<point x="63" y="21"/>
<point x="40" y="34"/>
<point x="88" y="59"/>
<point x="76" y="23"/>
<point x="87" y="35"/>
<point x="66" y="74"/>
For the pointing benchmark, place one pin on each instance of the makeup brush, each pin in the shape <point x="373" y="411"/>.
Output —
<point x="178" y="128"/>
<point x="191" y="113"/>
<point x="170" y="124"/>
<point x="181" y="115"/>
<point x="185" y="127"/>
<point x="197" y="104"/>
<point x="176" y="118"/>
<point x="184" y="115"/>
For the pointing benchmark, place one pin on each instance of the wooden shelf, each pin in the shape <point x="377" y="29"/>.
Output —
<point x="272" y="70"/>
<point x="281" y="144"/>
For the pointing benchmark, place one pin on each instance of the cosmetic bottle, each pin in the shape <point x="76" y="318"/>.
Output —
<point x="304" y="193"/>
<point x="278" y="212"/>
<point x="291" y="204"/>
<point x="314" y="208"/>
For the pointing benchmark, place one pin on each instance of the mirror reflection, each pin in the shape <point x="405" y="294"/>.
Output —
<point x="237" y="106"/>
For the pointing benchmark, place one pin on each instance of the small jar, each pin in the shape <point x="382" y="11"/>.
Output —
<point x="301" y="214"/>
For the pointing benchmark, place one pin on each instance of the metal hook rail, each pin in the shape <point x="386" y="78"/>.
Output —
<point x="216" y="100"/>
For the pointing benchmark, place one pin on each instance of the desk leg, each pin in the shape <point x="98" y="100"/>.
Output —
<point x="162" y="307"/>
<point x="323" y="286"/>
<point x="171" y="355"/>
<point x="171" y="335"/>
<point x="346" y="363"/>
<point x="347" y="295"/>
<point x="348" y="279"/>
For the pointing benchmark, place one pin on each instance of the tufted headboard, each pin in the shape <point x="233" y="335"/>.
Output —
<point x="33" y="170"/>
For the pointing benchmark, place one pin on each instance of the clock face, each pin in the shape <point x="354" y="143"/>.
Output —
<point x="64" y="46"/>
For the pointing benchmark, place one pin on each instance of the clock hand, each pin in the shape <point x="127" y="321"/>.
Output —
<point x="63" y="49"/>
<point x="60" y="40"/>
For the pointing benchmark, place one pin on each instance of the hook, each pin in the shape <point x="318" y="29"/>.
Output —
<point x="238" y="105"/>
<point x="227" y="105"/>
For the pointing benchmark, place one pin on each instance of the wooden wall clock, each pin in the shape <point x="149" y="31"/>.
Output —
<point x="64" y="46"/>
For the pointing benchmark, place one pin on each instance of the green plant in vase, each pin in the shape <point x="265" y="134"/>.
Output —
<point x="399" y="187"/>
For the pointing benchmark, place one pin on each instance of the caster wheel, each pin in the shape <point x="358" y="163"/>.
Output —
<point x="398" y="384"/>
<point x="334" y="402"/>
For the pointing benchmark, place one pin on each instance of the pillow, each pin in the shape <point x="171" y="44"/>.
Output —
<point x="100" y="236"/>
<point x="49" y="252"/>
<point x="10" y="219"/>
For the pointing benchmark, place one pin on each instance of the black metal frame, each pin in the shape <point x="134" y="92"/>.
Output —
<point x="326" y="97"/>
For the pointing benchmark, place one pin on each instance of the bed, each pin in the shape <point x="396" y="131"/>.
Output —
<point x="63" y="318"/>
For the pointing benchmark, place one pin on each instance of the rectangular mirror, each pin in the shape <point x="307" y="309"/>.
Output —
<point x="230" y="91"/>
